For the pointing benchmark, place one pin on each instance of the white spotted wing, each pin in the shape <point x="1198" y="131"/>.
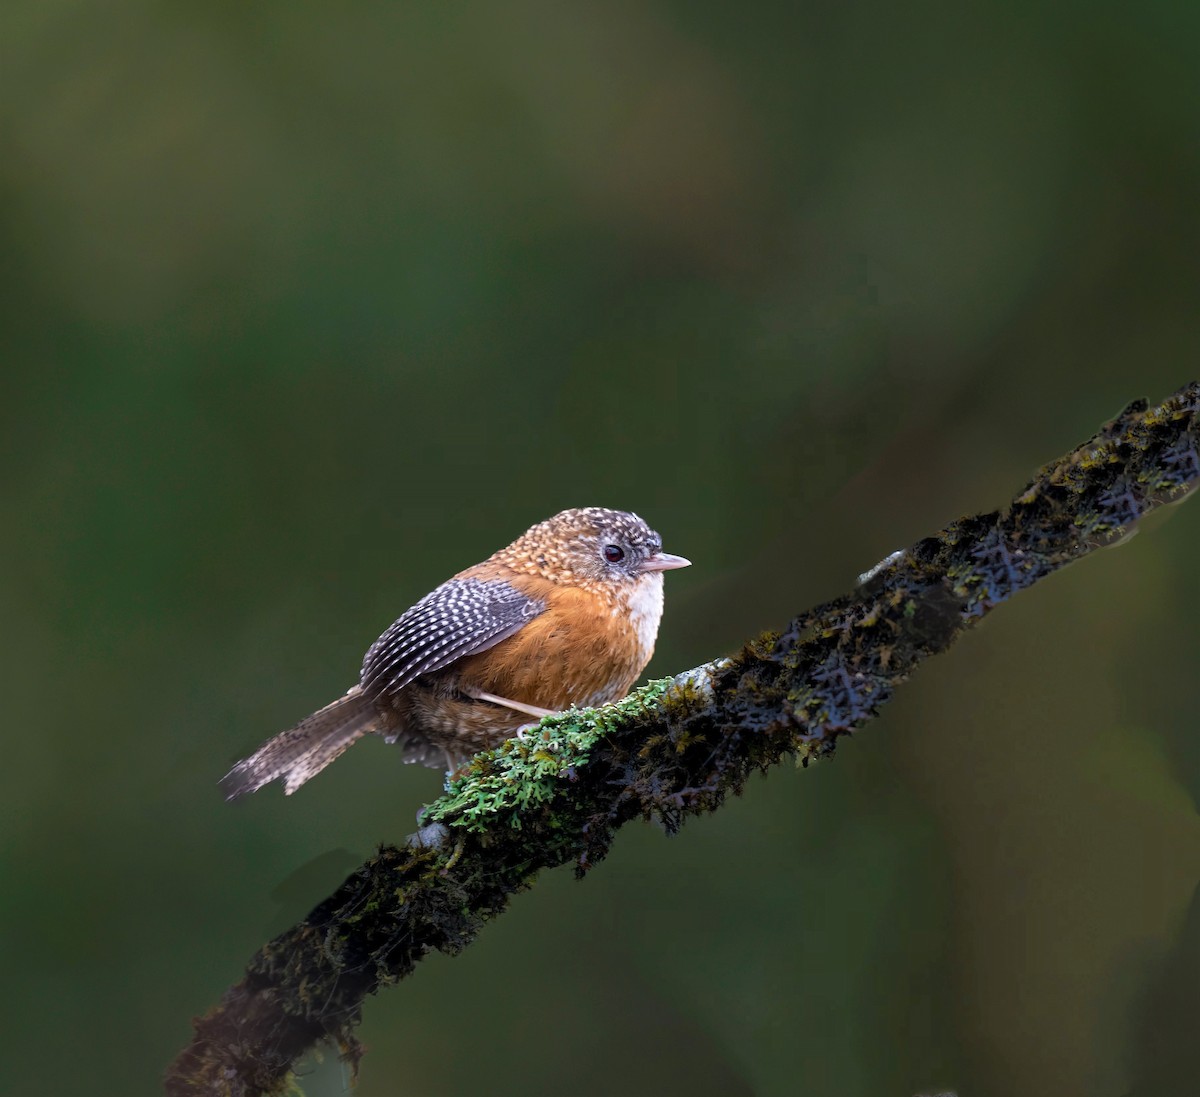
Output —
<point x="461" y="617"/>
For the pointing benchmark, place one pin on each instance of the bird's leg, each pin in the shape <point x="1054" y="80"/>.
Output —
<point x="519" y="706"/>
<point x="455" y="768"/>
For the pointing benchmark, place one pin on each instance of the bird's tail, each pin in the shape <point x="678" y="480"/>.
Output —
<point x="303" y="751"/>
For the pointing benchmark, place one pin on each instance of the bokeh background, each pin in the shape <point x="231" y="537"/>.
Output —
<point x="306" y="307"/>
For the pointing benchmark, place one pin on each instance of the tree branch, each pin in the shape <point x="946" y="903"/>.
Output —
<point x="674" y="748"/>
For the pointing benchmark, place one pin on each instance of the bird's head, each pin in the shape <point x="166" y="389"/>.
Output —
<point x="592" y="547"/>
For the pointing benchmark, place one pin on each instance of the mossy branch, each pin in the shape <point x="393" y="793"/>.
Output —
<point x="675" y="748"/>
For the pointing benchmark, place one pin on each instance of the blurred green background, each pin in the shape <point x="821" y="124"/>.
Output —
<point x="307" y="307"/>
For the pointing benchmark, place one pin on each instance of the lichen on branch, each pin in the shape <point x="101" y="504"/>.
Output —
<point x="674" y="748"/>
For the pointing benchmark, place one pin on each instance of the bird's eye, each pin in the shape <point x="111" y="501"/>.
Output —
<point x="614" y="554"/>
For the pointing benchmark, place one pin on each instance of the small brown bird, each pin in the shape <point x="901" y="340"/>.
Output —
<point x="565" y="615"/>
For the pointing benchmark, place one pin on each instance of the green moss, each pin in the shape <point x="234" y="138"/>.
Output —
<point x="524" y="773"/>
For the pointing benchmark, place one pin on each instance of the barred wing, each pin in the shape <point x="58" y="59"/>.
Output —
<point x="461" y="617"/>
